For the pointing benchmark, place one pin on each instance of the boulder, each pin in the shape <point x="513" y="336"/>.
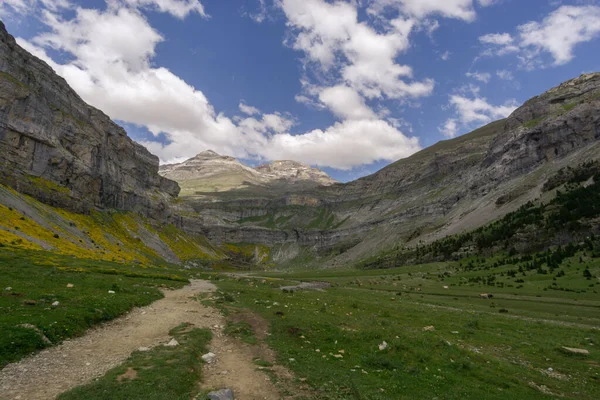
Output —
<point x="223" y="394"/>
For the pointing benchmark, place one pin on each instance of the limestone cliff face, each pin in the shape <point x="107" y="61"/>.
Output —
<point x="64" y="152"/>
<point x="450" y="187"/>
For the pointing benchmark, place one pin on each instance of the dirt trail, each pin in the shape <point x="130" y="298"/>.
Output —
<point x="75" y="362"/>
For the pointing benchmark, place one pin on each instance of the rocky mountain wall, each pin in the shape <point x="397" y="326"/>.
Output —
<point x="64" y="152"/>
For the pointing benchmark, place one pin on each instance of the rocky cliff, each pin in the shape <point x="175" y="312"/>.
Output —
<point x="64" y="152"/>
<point x="450" y="187"/>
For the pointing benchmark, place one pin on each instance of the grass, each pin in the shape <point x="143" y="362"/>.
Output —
<point x="533" y="123"/>
<point x="242" y="331"/>
<point x="569" y="106"/>
<point x="37" y="279"/>
<point x="164" y="373"/>
<point x="499" y="348"/>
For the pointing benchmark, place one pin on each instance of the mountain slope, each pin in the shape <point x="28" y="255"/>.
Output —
<point x="209" y="172"/>
<point x="66" y="154"/>
<point x="58" y="149"/>
<point x="453" y="186"/>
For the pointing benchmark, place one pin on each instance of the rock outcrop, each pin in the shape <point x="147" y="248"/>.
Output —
<point x="294" y="171"/>
<point x="64" y="152"/>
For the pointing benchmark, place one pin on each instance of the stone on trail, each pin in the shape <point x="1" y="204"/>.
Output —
<point x="143" y="349"/>
<point x="572" y="350"/>
<point x="223" y="394"/>
<point x="172" y="343"/>
<point x="209" y="357"/>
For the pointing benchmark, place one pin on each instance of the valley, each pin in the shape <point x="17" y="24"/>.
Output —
<point x="468" y="270"/>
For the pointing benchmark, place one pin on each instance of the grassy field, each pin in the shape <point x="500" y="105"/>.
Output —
<point x="419" y="331"/>
<point x="39" y="308"/>
<point x="441" y="343"/>
<point x="164" y="373"/>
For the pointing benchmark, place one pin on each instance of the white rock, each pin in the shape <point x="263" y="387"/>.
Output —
<point x="70" y="285"/>
<point x="143" y="348"/>
<point x="8" y="289"/>
<point x="209" y="357"/>
<point x="111" y="292"/>
<point x="172" y="343"/>
<point x="575" y="351"/>
<point x="383" y="345"/>
<point x="55" y="304"/>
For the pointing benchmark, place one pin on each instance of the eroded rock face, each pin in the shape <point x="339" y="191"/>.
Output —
<point x="64" y="152"/>
<point x="452" y="186"/>
<point x="294" y="171"/>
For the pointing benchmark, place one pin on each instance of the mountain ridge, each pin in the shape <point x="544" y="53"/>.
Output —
<point x="209" y="171"/>
<point x="68" y="154"/>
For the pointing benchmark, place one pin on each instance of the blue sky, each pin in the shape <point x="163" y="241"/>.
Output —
<point x="349" y="86"/>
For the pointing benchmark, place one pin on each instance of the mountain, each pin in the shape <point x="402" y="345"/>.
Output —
<point x="448" y="188"/>
<point x="294" y="171"/>
<point x="73" y="182"/>
<point x="209" y="172"/>
<point x="66" y="153"/>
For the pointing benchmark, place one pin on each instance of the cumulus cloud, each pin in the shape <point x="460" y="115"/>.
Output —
<point x="556" y="35"/>
<point x="345" y="103"/>
<point x="248" y="110"/>
<point x="332" y="38"/>
<point x="111" y="66"/>
<point x="473" y="111"/>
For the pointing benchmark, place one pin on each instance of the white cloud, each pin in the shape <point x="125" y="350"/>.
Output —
<point x="8" y="7"/>
<point x="345" y="144"/>
<point x="557" y="35"/>
<point x="460" y="9"/>
<point x="111" y="66"/>
<point x="345" y="103"/>
<point x="445" y="55"/>
<point x="450" y="128"/>
<point x="505" y="75"/>
<point x="561" y="31"/>
<point x="260" y="14"/>
<point x="177" y="8"/>
<point x="248" y="110"/>
<point x="480" y="76"/>
<point x="500" y="39"/>
<point x="332" y="38"/>
<point x="474" y="111"/>
<point x="477" y="109"/>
